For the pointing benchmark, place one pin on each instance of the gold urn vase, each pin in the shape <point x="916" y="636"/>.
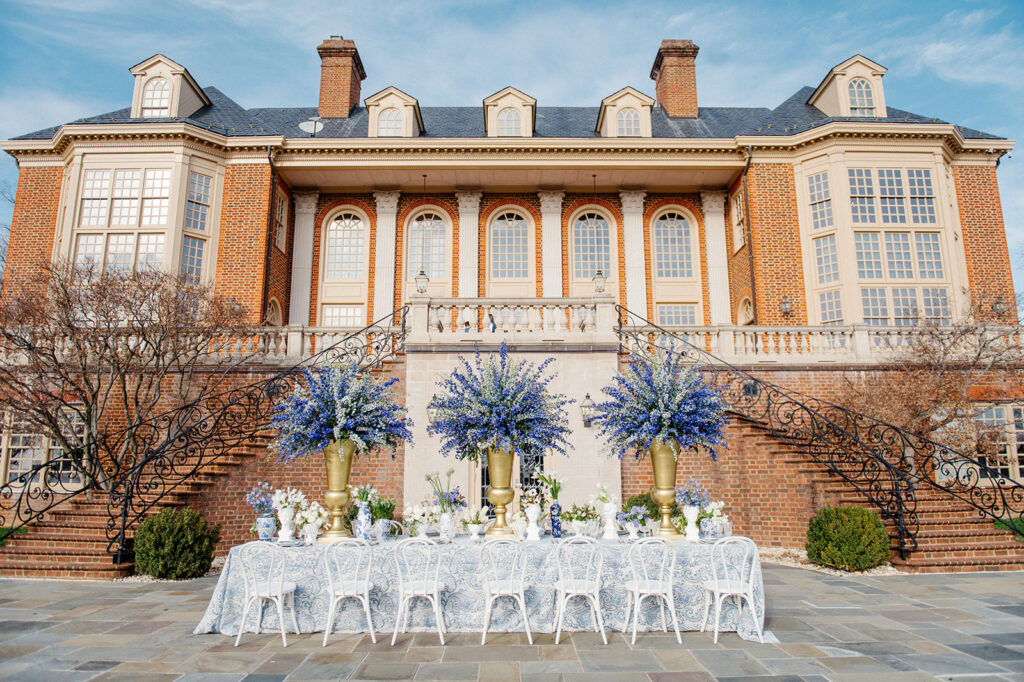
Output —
<point x="663" y="460"/>
<point x="338" y="458"/>
<point x="499" y="491"/>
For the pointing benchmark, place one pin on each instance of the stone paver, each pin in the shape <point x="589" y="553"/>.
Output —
<point x="838" y="629"/>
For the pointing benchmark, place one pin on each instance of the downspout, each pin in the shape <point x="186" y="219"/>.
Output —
<point x="750" y="241"/>
<point x="270" y="235"/>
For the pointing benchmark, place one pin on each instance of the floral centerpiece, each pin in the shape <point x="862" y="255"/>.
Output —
<point x="609" y="508"/>
<point x="634" y="518"/>
<point x="420" y="517"/>
<point x="531" y="503"/>
<point x="579" y="516"/>
<point x="692" y="499"/>
<point x="448" y="500"/>
<point x="287" y="502"/>
<point x="261" y="499"/>
<point x="496" y="408"/>
<point x="311" y="520"/>
<point x="473" y="521"/>
<point x="662" y="406"/>
<point x="339" y="412"/>
<point x="363" y="496"/>
<point x="553" y="483"/>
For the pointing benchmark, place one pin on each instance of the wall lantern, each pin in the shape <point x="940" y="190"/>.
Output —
<point x="421" y="282"/>
<point x="599" y="281"/>
<point x="588" y="410"/>
<point x="433" y="413"/>
<point x="999" y="307"/>
<point x="785" y="305"/>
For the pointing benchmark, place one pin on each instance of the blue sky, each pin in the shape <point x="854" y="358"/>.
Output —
<point x="960" y="61"/>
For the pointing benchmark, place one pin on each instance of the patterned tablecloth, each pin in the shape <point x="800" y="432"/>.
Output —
<point x="463" y="597"/>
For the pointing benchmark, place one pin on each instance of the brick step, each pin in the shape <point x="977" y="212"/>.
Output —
<point x="994" y="547"/>
<point x="40" y="542"/>
<point x="87" y="554"/>
<point x="939" y="565"/>
<point x="980" y="531"/>
<point x="80" y="571"/>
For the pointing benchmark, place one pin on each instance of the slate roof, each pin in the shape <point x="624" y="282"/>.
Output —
<point x="223" y="115"/>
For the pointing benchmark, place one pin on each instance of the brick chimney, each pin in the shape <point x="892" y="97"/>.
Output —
<point x="341" y="73"/>
<point x="675" y="78"/>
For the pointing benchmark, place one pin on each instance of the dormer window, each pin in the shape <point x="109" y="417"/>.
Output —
<point x="510" y="123"/>
<point x="629" y="123"/>
<point x="861" y="101"/>
<point x="156" y="99"/>
<point x="390" y="123"/>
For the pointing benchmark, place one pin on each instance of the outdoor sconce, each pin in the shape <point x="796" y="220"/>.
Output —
<point x="785" y="305"/>
<point x="421" y="282"/>
<point x="433" y="413"/>
<point x="999" y="307"/>
<point x="588" y="410"/>
<point x="599" y="281"/>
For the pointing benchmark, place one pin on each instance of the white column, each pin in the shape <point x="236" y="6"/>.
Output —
<point x="469" y="247"/>
<point x="302" y="257"/>
<point x="384" y="268"/>
<point x="633" y="243"/>
<point x="715" y="252"/>
<point x="551" y="242"/>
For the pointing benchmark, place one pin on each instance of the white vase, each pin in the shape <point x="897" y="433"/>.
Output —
<point x="532" y="516"/>
<point x="446" y="526"/>
<point x="286" y="515"/>
<point x="611" y="523"/>
<point x="421" y="530"/>
<point x="474" y="531"/>
<point x="632" y="527"/>
<point x="310" y="532"/>
<point x="690" y="513"/>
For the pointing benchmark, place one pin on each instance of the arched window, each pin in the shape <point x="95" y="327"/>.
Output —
<point x="862" y="102"/>
<point x="390" y="123"/>
<point x="274" y="317"/>
<point x="510" y="246"/>
<point x="509" y="123"/>
<point x="428" y="246"/>
<point x="673" y="254"/>
<point x="629" y="123"/>
<point x="591" y="246"/>
<point x="745" y="314"/>
<point x="344" y="248"/>
<point x="156" y="99"/>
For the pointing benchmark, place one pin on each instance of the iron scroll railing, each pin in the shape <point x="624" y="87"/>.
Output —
<point x="177" y="445"/>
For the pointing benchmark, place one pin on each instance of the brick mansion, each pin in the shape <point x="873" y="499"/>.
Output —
<point x="799" y="242"/>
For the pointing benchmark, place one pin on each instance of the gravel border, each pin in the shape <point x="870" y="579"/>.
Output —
<point x="797" y="558"/>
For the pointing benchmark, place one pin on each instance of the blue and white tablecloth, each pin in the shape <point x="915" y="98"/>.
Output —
<point x="462" y="595"/>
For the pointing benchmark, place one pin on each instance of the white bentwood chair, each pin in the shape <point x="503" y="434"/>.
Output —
<point x="263" y="566"/>
<point x="732" y="575"/>
<point x="348" y="562"/>
<point x="503" y="562"/>
<point x="419" y="570"/>
<point x="652" y="563"/>
<point x="579" y="562"/>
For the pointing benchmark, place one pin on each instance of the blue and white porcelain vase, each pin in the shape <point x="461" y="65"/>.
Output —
<point x="364" y="525"/>
<point x="556" y="519"/>
<point x="266" y="526"/>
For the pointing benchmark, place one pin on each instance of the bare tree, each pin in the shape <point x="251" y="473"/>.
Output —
<point x="6" y="196"/>
<point x="939" y="383"/>
<point x="94" y="362"/>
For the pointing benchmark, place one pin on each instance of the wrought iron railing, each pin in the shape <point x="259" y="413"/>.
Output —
<point x="177" y="445"/>
<point x="789" y="417"/>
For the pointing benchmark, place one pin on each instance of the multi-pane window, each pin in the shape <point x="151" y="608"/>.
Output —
<point x="510" y="247"/>
<point x="156" y="99"/>
<point x="591" y="246"/>
<point x="831" y="308"/>
<point x="904" y="306"/>
<point x="827" y="259"/>
<point x="89" y="251"/>
<point x="124" y="201"/>
<point x="891" y="195"/>
<point x="869" y="255"/>
<point x="156" y="193"/>
<point x="922" y="196"/>
<point x="1008" y="459"/>
<point x="192" y="259"/>
<point x="198" y="205"/>
<point x="821" y="200"/>
<point x="117" y="204"/>
<point x="21" y="449"/>
<point x="929" y="255"/>
<point x="120" y="252"/>
<point x="935" y="305"/>
<point x="899" y="257"/>
<point x="428" y="246"/>
<point x="509" y="123"/>
<point x="677" y="314"/>
<point x="151" y="252"/>
<point x="281" y="221"/>
<point x="897" y="254"/>
<point x="875" y="303"/>
<point x="862" y="102"/>
<point x="24" y="450"/>
<point x="738" y="220"/>
<point x="346" y="238"/>
<point x="673" y="254"/>
<point x="862" y="195"/>
<point x="95" y="193"/>
<point x="629" y="123"/>
<point x="894" y="200"/>
<point x="389" y="124"/>
<point x="342" y="316"/>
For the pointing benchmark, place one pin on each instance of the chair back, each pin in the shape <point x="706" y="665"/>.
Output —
<point x="579" y="559"/>
<point x="733" y="560"/>
<point x="652" y="559"/>
<point x="418" y="561"/>
<point x="348" y="561"/>
<point x="503" y="562"/>
<point x="263" y="564"/>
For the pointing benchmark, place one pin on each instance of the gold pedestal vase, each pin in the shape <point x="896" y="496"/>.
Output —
<point x="663" y="460"/>
<point x="338" y="458"/>
<point x="499" y="492"/>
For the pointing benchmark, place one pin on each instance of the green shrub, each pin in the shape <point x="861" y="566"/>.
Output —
<point x="1016" y="525"/>
<point x="175" y="545"/>
<point x="16" y="531"/>
<point x="380" y="508"/>
<point x="847" y="538"/>
<point x="644" y="500"/>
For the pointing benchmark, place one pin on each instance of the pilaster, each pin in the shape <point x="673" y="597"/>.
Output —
<point x="302" y="257"/>
<point x="715" y="252"/>
<point x="469" y="217"/>
<point x="384" y="268"/>
<point x="551" y="241"/>
<point x="633" y="243"/>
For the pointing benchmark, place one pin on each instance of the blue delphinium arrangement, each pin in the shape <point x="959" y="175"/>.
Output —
<point x="661" y="399"/>
<point x="260" y="498"/>
<point x="499" y="403"/>
<point x="338" y="404"/>
<point x="446" y="498"/>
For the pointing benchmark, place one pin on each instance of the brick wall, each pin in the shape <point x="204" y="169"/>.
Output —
<point x="242" y="243"/>
<point x="30" y="246"/>
<point x="279" y="275"/>
<point x="740" y="280"/>
<point x="675" y="77"/>
<point x="775" y="233"/>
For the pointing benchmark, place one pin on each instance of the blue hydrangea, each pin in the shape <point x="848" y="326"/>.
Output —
<point x="498" y="403"/>
<point x="260" y="498"/>
<point x="338" y="404"/>
<point x="661" y="399"/>
<point x="692" y="495"/>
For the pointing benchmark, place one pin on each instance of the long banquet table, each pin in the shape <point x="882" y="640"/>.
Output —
<point x="462" y="595"/>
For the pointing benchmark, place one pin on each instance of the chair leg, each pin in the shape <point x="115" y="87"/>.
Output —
<point x="259" y="621"/>
<point x="707" y="611"/>
<point x="291" y="604"/>
<point x="330" y="619"/>
<point x="600" y="620"/>
<point x="398" y="620"/>
<point x="675" y="621"/>
<point x="664" y="623"/>
<point x="487" y="619"/>
<point x="559" y="614"/>
<point x="757" y="621"/>
<point x="241" y="626"/>
<point x="718" y="614"/>
<point x="636" y="614"/>
<point x="369" y="618"/>
<point x="279" y="601"/>
<point x="521" y="598"/>
<point x="629" y="609"/>
<point x="435" y="601"/>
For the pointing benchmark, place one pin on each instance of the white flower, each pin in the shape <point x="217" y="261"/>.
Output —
<point x="288" y="497"/>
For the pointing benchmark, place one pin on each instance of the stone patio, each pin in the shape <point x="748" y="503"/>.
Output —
<point x="909" y="627"/>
